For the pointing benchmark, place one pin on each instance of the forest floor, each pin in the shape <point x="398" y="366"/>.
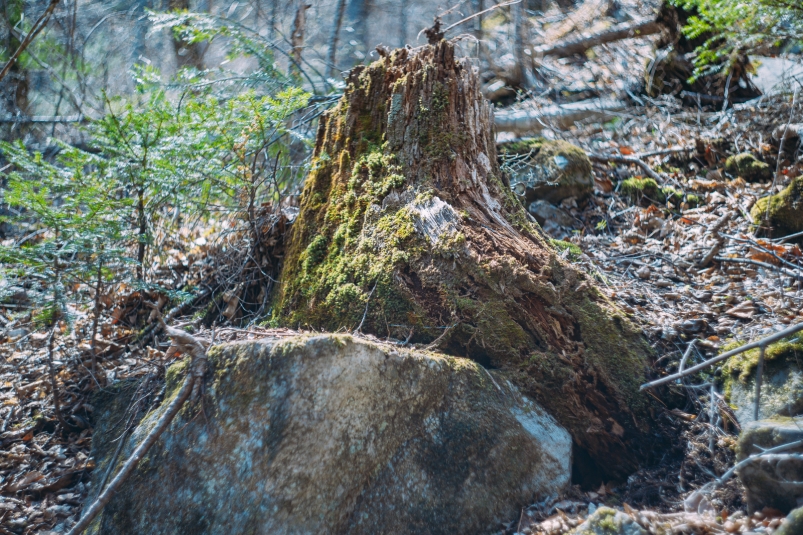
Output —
<point x="646" y="257"/>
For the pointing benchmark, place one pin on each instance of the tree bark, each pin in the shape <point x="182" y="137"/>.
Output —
<point x="408" y="229"/>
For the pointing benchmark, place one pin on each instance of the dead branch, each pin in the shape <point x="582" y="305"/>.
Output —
<point x="759" y="264"/>
<point x="578" y="45"/>
<point x="44" y="119"/>
<point x="719" y="358"/>
<point x="605" y="158"/>
<point x="187" y="344"/>
<point x="697" y="495"/>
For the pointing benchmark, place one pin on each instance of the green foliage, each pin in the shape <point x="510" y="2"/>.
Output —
<point x="72" y="213"/>
<point x="737" y="28"/>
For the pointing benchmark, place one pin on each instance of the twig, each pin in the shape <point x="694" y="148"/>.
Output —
<point x="697" y="494"/>
<point x="189" y="345"/>
<point x="719" y="358"/>
<point x="780" y="150"/>
<point x="477" y="14"/>
<point x="365" y="314"/>
<point x="759" y="376"/>
<point x="38" y="26"/>
<point x="437" y="340"/>
<point x="759" y="264"/>
<point x="605" y="158"/>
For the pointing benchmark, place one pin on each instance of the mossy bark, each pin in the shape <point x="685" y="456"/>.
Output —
<point x="406" y="222"/>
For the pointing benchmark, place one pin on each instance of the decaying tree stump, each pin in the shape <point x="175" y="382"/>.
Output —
<point x="408" y="230"/>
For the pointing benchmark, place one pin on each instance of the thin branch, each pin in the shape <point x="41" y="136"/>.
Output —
<point x="188" y="345"/>
<point x="38" y="26"/>
<point x="605" y="158"/>
<point x="719" y="358"/>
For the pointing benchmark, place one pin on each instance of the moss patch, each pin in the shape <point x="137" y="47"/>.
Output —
<point x="742" y="366"/>
<point x="547" y="169"/>
<point x="574" y="252"/>
<point x="746" y="165"/>
<point x="785" y="210"/>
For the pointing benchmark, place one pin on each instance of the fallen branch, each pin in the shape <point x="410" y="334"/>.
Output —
<point x="719" y="358"/>
<point x="578" y="45"/>
<point x="560" y="116"/>
<point x="188" y="345"/>
<point x="604" y="158"/>
<point x="759" y="264"/>
<point x="44" y="119"/>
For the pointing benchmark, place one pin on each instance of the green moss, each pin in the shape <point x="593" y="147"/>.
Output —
<point x="743" y="364"/>
<point x="785" y="210"/>
<point x="746" y="165"/>
<point x="637" y="188"/>
<point x="574" y="251"/>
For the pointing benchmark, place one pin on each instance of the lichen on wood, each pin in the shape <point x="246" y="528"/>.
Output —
<point x="406" y="219"/>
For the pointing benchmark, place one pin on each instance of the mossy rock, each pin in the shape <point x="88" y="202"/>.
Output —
<point x="608" y="521"/>
<point x="785" y="210"/>
<point x="647" y="191"/>
<point x="793" y="524"/>
<point x="746" y="165"/>
<point x="338" y="435"/>
<point x="407" y="229"/>
<point x="782" y="390"/>
<point x="548" y="170"/>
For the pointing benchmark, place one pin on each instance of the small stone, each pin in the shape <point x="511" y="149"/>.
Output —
<point x="663" y="283"/>
<point x="643" y="272"/>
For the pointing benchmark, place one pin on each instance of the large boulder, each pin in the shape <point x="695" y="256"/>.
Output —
<point x="782" y="381"/>
<point x="332" y="434"/>
<point x="547" y="170"/>
<point x="785" y="213"/>
<point x="772" y="480"/>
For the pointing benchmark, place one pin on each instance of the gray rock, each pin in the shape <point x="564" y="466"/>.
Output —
<point x="773" y="480"/>
<point x="547" y="213"/>
<point x="607" y="521"/>
<point x="330" y="434"/>
<point x="547" y="170"/>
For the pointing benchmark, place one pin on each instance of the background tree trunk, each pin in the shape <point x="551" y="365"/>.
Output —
<point x="340" y="8"/>
<point x="14" y="88"/>
<point x="187" y="55"/>
<point x="406" y="222"/>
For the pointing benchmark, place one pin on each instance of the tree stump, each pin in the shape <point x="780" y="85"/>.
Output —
<point x="408" y="231"/>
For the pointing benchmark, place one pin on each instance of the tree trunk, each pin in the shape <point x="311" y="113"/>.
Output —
<point x="14" y="87"/>
<point x="187" y="54"/>
<point x="297" y="34"/>
<point x="407" y="227"/>
<point x="338" y="22"/>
